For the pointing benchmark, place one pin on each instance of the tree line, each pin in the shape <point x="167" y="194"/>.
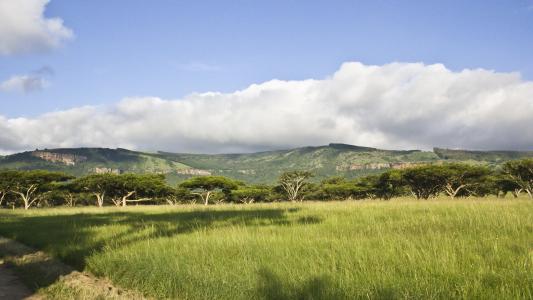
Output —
<point x="39" y="188"/>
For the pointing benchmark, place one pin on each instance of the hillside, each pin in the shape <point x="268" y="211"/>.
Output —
<point x="324" y="161"/>
<point x="261" y="167"/>
<point x="491" y="157"/>
<point x="80" y="161"/>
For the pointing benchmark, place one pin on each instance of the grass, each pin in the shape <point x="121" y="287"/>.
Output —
<point x="437" y="249"/>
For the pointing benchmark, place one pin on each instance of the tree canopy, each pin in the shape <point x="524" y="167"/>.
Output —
<point x="204" y="186"/>
<point x="293" y="182"/>
<point x="521" y="173"/>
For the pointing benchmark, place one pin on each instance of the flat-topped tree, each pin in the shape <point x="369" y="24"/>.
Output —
<point x="504" y="184"/>
<point x="98" y="185"/>
<point x="204" y="186"/>
<point x="124" y="188"/>
<point x="463" y="178"/>
<point x="521" y="173"/>
<point x="6" y="181"/>
<point x="425" y="181"/>
<point x="142" y="187"/>
<point x="250" y="194"/>
<point x="31" y="186"/>
<point x="386" y="185"/>
<point x="293" y="182"/>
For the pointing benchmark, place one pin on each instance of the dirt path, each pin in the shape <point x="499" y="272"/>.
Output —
<point x="10" y="286"/>
<point x="77" y="285"/>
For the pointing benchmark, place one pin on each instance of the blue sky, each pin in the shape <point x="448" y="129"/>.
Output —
<point x="390" y="74"/>
<point x="171" y="48"/>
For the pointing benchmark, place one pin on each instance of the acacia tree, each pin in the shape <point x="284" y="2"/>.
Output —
<point x="122" y="189"/>
<point x="338" y="188"/>
<point x="293" y="182"/>
<point x="250" y="194"/>
<point x="462" y="177"/>
<point x="5" y="183"/>
<point x="425" y="181"/>
<point x="142" y="187"/>
<point x="521" y="173"/>
<point x="31" y="186"/>
<point x="389" y="184"/>
<point x="96" y="184"/>
<point x="205" y="186"/>
<point x="174" y="196"/>
<point x="504" y="185"/>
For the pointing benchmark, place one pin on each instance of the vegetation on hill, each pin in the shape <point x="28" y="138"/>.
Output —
<point x="492" y="157"/>
<point x="259" y="168"/>
<point x="324" y="161"/>
<point x="82" y="161"/>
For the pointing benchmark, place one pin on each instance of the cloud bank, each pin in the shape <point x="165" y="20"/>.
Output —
<point x="25" y="29"/>
<point x="398" y="106"/>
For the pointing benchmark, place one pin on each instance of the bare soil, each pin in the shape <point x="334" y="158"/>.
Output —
<point x="10" y="285"/>
<point x="80" y="285"/>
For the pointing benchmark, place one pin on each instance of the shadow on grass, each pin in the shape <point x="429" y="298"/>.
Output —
<point x="72" y="238"/>
<point x="270" y="286"/>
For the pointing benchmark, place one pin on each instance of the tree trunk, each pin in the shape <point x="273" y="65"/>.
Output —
<point x="451" y="191"/>
<point x="207" y="198"/>
<point x="27" y="197"/>
<point x="125" y="198"/>
<point x="516" y="192"/>
<point x="100" y="199"/>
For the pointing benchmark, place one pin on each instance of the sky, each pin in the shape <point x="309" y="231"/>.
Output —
<point x="241" y="76"/>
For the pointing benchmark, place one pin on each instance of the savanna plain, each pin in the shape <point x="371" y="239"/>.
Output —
<point x="473" y="248"/>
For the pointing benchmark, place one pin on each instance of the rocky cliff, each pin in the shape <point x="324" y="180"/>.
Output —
<point x="66" y="159"/>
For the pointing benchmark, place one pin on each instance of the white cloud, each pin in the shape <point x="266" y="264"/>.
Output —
<point x="24" y="28"/>
<point x="399" y="105"/>
<point x="35" y="81"/>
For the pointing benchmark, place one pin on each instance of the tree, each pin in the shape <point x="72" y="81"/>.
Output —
<point x="174" y="196"/>
<point x="5" y="183"/>
<point x="338" y="188"/>
<point x="124" y="188"/>
<point x="387" y="185"/>
<point x="292" y="182"/>
<point x="96" y="184"/>
<point x="250" y="194"/>
<point x="504" y="184"/>
<point x="205" y="186"/>
<point x="31" y="186"/>
<point x="425" y="181"/>
<point x="142" y="187"/>
<point x="521" y="173"/>
<point x="463" y="178"/>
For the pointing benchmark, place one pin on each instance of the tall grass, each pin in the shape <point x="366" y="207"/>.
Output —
<point x="437" y="249"/>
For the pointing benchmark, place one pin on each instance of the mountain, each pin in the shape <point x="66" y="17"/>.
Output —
<point x="261" y="167"/>
<point x="80" y="161"/>
<point x="491" y="157"/>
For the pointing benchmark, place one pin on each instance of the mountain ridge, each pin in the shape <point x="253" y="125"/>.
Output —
<point x="334" y="159"/>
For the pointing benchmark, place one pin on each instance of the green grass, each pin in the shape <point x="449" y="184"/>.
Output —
<point x="437" y="249"/>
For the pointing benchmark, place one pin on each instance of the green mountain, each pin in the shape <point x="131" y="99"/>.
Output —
<point x="81" y="161"/>
<point x="491" y="157"/>
<point x="324" y="161"/>
<point x="261" y="167"/>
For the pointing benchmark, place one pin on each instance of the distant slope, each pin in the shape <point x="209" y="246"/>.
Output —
<point x="491" y="157"/>
<point x="261" y="167"/>
<point x="80" y="161"/>
<point x="324" y="161"/>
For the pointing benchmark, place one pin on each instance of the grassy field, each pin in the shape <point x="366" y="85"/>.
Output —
<point x="437" y="249"/>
